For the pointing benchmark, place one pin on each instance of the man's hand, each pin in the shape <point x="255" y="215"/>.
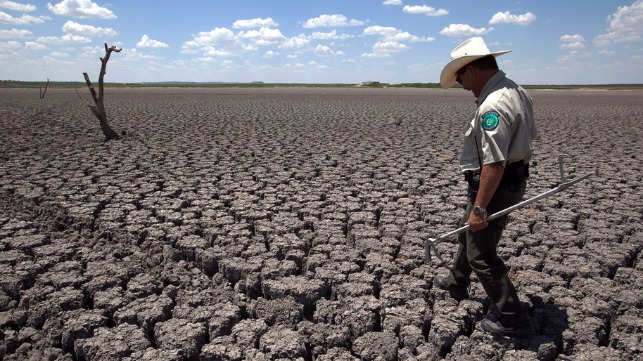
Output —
<point x="477" y="222"/>
<point x="489" y="179"/>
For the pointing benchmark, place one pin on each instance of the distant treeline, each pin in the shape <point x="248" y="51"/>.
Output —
<point x="370" y="84"/>
<point x="71" y="84"/>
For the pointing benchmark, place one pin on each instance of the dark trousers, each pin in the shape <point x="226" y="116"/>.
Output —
<point x="477" y="252"/>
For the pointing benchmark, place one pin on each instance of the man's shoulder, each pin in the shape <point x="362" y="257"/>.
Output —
<point x="492" y="100"/>
<point x="503" y="90"/>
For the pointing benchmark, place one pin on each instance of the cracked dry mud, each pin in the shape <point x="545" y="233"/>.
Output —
<point x="288" y="224"/>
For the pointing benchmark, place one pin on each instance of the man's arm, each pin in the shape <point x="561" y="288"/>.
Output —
<point x="489" y="180"/>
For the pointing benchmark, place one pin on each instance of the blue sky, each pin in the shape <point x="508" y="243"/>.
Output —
<point x="318" y="41"/>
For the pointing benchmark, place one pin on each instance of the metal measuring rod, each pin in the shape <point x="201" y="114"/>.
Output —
<point x="564" y="184"/>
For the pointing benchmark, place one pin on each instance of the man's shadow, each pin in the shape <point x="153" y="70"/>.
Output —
<point x="549" y="322"/>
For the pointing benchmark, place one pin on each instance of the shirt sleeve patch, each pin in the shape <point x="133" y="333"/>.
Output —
<point x="490" y="121"/>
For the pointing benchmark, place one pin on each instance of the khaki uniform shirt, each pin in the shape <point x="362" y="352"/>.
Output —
<point x="503" y="126"/>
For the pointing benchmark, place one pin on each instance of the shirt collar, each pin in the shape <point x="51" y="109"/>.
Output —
<point x="491" y="85"/>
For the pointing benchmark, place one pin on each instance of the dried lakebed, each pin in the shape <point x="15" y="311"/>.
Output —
<point x="288" y="224"/>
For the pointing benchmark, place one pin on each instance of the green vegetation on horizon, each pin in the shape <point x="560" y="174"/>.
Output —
<point x="373" y="84"/>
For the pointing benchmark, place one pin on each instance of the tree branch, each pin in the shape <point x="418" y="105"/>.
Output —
<point x="91" y="87"/>
<point x="42" y="94"/>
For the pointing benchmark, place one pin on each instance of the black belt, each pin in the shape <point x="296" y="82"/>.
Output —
<point x="514" y="174"/>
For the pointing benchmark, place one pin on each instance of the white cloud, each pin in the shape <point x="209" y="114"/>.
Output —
<point x="405" y="36"/>
<point x="55" y="62"/>
<point x="572" y="42"/>
<point x="92" y="52"/>
<point x="380" y="30"/>
<point x="331" y="35"/>
<point x="628" y="18"/>
<point x="572" y="38"/>
<point x="391" y="41"/>
<point x="216" y="42"/>
<point x="323" y="50"/>
<point x="8" y="45"/>
<point x="389" y="47"/>
<point x="58" y="54"/>
<point x="134" y="54"/>
<point x="385" y="49"/>
<point x="336" y="20"/>
<point x="616" y="37"/>
<point x="65" y="39"/>
<point x="296" y="42"/>
<point x="375" y="55"/>
<point x="146" y="42"/>
<point x="463" y="30"/>
<point x="392" y="2"/>
<point x="424" y="9"/>
<point x="270" y="54"/>
<point x="71" y="27"/>
<point x="212" y="51"/>
<point x="9" y="50"/>
<point x="254" y="23"/>
<point x="30" y="45"/>
<point x="314" y="64"/>
<point x="625" y="25"/>
<point x="573" y="56"/>
<point x="508" y="18"/>
<point x="204" y="40"/>
<point x="573" y="45"/>
<point x="14" y="34"/>
<point x="80" y="9"/>
<point x="16" y="6"/>
<point x="264" y="36"/>
<point x="390" y="33"/>
<point x="23" y="20"/>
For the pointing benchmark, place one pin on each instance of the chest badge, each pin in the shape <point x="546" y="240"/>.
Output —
<point x="490" y="120"/>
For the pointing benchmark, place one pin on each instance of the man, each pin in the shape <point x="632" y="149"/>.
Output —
<point x="495" y="160"/>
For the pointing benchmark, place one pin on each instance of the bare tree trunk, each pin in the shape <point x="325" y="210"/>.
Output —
<point x="42" y="94"/>
<point x="99" y="108"/>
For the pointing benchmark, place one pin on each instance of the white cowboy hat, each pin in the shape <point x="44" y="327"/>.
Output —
<point x="463" y="54"/>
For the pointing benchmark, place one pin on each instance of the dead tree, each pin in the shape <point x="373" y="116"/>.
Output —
<point x="42" y="94"/>
<point x="99" y="108"/>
